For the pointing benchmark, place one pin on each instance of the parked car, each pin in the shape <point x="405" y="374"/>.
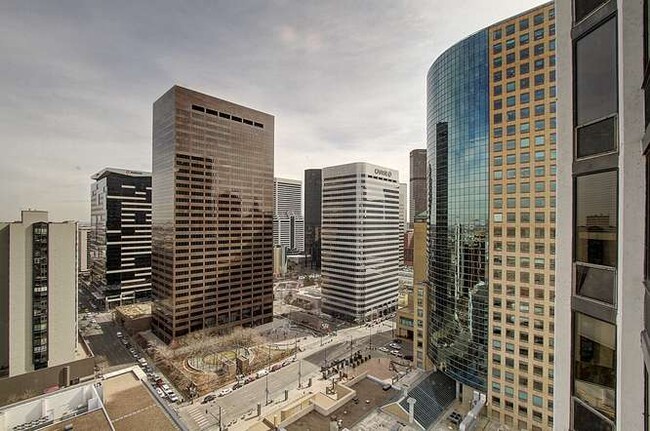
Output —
<point x="119" y="335"/>
<point x="386" y="387"/>
<point x="161" y="394"/>
<point x="173" y="398"/>
<point x="208" y="398"/>
<point x="261" y="373"/>
<point x="395" y="346"/>
<point x="225" y="392"/>
<point x="394" y="352"/>
<point x="237" y="386"/>
<point x="276" y="367"/>
<point x="383" y="349"/>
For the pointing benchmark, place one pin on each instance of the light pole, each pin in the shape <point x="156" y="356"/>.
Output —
<point x="268" y="365"/>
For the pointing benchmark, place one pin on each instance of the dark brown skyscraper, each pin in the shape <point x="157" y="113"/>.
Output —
<point x="212" y="233"/>
<point x="418" y="185"/>
<point x="313" y="200"/>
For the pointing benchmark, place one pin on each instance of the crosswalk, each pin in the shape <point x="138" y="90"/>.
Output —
<point x="197" y="414"/>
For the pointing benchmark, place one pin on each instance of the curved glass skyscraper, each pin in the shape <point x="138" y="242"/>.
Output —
<point x="491" y="150"/>
<point x="457" y="151"/>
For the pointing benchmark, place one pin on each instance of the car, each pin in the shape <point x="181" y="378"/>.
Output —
<point x="286" y="362"/>
<point x="263" y="372"/>
<point x="237" y="386"/>
<point x="119" y="335"/>
<point x="208" y="398"/>
<point x="399" y="354"/>
<point x="276" y="367"/>
<point x="160" y="392"/>
<point x="173" y="398"/>
<point x="395" y="352"/>
<point x="383" y="349"/>
<point x="386" y="387"/>
<point x="93" y="321"/>
<point x="225" y="392"/>
<point x="165" y="387"/>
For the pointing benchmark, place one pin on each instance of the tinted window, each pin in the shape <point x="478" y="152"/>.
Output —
<point x="596" y="222"/>
<point x="595" y="364"/>
<point x="596" y="138"/>
<point x="582" y="8"/>
<point x="595" y="73"/>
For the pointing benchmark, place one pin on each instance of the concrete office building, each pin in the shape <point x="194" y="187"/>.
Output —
<point x="420" y="291"/>
<point x="492" y="216"/>
<point x="313" y="198"/>
<point x="360" y="235"/>
<point x="120" y="238"/>
<point x="288" y="222"/>
<point x="602" y="352"/>
<point x="417" y="183"/>
<point x="38" y="293"/>
<point x="212" y="233"/>
<point x="402" y="220"/>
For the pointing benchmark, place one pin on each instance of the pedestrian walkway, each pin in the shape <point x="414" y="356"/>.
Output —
<point x="197" y="414"/>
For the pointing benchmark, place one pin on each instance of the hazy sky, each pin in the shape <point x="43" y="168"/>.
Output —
<point x="344" y="79"/>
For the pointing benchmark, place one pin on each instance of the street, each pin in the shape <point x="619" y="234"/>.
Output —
<point x="244" y="400"/>
<point x="102" y="339"/>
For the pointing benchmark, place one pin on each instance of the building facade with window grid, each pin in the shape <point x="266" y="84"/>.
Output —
<point x="212" y="229"/>
<point x="522" y="219"/>
<point x="491" y="151"/>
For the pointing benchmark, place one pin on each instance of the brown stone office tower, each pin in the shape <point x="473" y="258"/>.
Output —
<point x="212" y="230"/>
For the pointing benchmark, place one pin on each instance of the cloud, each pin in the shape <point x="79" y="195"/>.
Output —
<point x="345" y="81"/>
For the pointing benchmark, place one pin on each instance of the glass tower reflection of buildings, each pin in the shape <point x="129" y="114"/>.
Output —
<point x="457" y="149"/>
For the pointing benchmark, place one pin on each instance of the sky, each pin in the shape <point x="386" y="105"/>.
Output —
<point x="345" y="81"/>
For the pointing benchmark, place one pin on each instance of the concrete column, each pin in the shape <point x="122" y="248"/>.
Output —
<point x="411" y="403"/>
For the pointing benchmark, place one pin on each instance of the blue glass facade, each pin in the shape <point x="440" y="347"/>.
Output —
<point x="457" y="152"/>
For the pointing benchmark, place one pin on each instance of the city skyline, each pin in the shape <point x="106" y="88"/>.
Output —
<point x="102" y="66"/>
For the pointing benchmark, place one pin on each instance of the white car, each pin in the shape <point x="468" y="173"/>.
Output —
<point x="161" y="394"/>
<point x="263" y="372"/>
<point x="395" y="352"/>
<point x="383" y="349"/>
<point x="119" y="335"/>
<point x="165" y="387"/>
<point x="225" y="392"/>
<point x="173" y="398"/>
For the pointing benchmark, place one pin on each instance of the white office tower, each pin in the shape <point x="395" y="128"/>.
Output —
<point x="360" y="241"/>
<point x="402" y="221"/>
<point x="38" y="293"/>
<point x="288" y="221"/>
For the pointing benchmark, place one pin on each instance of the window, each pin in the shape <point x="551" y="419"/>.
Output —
<point x="538" y="34"/>
<point x="596" y="235"/>
<point x="496" y="34"/>
<point x="510" y="43"/>
<point x="524" y="113"/>
<point x="510" y="58"/>
<point x="594" y="368"/>
<point x="496" y="48"/>
<point x="498" y="104"/>
<point x="496" y="76"/>
<point x="523" y="24"/>
<point x="511" y="86"/>
<point x="539" y="125"/>
<point x="539" y="94"/>
<point x="596" y="94"/>
<point x="524" y="83"/>
<point x="539" y="109"/>
<point x="596" y="218"/>
<point x="523" y="39"/>
<point x="524" y="54"/>
<point x="498" y="90"/>
<point x="539" y="79"/>
<point x="539" y="156"/>
<point x="511" y="101"/>
<point x="525" y="142"/>
<point x="510" y="29"/>
<point x="524" y="158"/>
<point x="524" y="68"/>
<point x="538" y="19"/>
<point x="582" y="8"/>
<point x="539" y="49"/>
<point x="511" y="115"/>
<point x="523" y="98"/>
<point x="539" y="64"/>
